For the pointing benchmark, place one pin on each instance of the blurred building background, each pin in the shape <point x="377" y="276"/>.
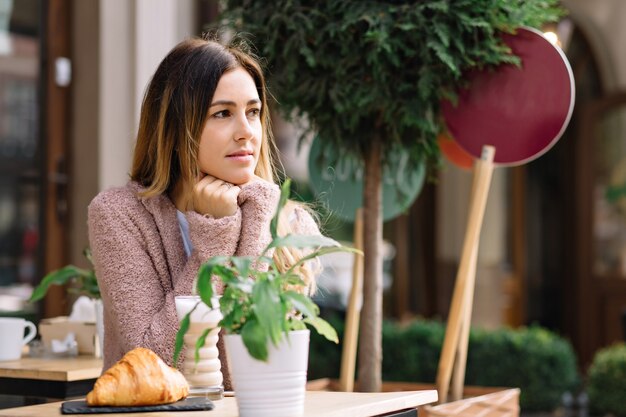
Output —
<point x="553" y="246"/>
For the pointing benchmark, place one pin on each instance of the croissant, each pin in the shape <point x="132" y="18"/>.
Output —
<point x="139" y="378"/>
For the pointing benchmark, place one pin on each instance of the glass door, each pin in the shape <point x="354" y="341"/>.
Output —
<point x="21" y="154"/>
<point x="609" y="194"/>
<point x="601" y="194"/>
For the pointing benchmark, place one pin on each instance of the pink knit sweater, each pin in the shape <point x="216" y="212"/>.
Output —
<point x="141" y="264"/>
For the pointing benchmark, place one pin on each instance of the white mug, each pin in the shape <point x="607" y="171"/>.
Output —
<point x="13" y="339"/>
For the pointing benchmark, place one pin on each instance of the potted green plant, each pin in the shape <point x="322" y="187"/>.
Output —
<point x="81" y="281"/>
<point x="265" y="316"/>
<point x="369" y="76"/>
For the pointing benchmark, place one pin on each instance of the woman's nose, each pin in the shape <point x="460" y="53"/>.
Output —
<point x="244" y="129"/>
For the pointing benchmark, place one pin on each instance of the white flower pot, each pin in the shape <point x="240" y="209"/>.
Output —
<point x="270" y="389"/>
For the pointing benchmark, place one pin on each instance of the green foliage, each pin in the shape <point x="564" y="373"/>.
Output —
<point x="263" y="306"/>
<point x="607" y="379"/>
<point x="539" y="362"/>
<point x="360" y="70"/>
<point x="324" y="357"/>
<point x="83" y="281"/>
<point x="416" y="346"/>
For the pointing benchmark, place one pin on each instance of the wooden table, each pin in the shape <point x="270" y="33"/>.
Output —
<point x="49" y="377"/>
<point x="317" y="404"/>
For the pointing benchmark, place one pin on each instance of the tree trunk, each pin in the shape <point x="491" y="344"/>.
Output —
<point x="370" y="339"/>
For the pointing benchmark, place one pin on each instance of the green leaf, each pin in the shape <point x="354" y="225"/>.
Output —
<point x="241" y="283"/>
<point x="59" y="277"/>
<point x="90" y="287"/>
<point x="296" y="325"/>
<point x="255" y="340"/>
<point x="204" y="285"/>
<point x="442" y="34"/>
<point x="444" y="56"/>
<point x="323" y="328"/>
<point x="322" y="252"/>
<point x="437" y="5"/>
<point x="200" y="343"/>
<point x="309" y="56"/>
<point x="232" y="305"/>
<point x="303" y="241"/>
<point x="242" y="264"/>
<point x="268" y="309"/>
<point x="293" y="279"/>
<point x="180" y="336"/>
<point x="226" y="274"/>
<point x="218" y="260"/>
<point x="87" y="254"/>
<point x="407" y="26"/>
<point x="302" y="303"/>
<point x="284" y="196"/>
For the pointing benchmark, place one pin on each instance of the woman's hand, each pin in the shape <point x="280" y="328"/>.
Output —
<point x="261" y="191"/>
<point x="214" y="197"/>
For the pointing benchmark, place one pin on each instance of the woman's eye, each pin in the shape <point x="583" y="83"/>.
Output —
<point x="221" y="114"/>
<point x="254" y="112"/>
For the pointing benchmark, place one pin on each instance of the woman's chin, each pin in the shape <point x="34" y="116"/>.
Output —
<point x="240" y="179"/>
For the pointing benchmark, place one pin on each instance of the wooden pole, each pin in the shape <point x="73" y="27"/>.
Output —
<point x="351" y="333"/>
<point x="458" y="372"/>
<point x="466" y="273"/>
<point x="458" y="376"/>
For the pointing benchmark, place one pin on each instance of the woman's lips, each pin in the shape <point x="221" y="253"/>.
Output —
<point x="241" y="157"/>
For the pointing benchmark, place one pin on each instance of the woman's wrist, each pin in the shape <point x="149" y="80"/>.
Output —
<point x="259" y="192"/>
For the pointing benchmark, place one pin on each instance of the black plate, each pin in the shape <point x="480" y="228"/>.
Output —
<point x="188" y="404"/>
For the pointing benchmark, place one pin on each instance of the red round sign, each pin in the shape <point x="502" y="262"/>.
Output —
<point x="521" y="111"/>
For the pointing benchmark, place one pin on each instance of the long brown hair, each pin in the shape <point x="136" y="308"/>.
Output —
<point x="173" y="113"/>
<point x="175" y="108"/>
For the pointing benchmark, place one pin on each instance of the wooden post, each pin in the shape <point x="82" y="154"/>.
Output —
<point x="467" y="271"/>
<point x="351" y="333"/>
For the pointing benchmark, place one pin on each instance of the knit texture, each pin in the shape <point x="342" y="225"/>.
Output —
<point x="140" y="261"/>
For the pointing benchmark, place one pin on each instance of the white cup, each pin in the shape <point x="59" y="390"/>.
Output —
<point x="13" y="339"/>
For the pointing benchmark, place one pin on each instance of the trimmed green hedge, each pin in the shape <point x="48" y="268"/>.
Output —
<point x="540" y="363"/>
<point x="534" y="359"/>
<point x="607" y="381"/>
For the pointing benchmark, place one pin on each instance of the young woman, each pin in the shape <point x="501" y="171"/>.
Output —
<point x="202" y="184"/>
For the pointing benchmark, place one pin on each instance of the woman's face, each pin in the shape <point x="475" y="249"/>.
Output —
<point x="231" y="138"/>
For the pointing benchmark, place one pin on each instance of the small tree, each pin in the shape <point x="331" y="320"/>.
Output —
<point x="369" y="76"/>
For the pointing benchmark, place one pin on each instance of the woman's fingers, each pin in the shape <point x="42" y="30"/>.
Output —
<point x="204" y="182"/>
<point x="215" y="197"/>
<point x="232" y="192"/>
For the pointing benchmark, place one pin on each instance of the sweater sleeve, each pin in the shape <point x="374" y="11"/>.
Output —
<point x="133" y="274"/>
<point x="209" y="237"/>
<point x="258" y="202"/>
<point x="302" y="223"/>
